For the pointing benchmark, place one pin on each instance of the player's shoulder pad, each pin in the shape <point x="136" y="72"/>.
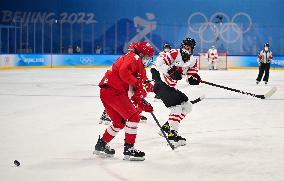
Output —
<point x="173" y="53"/>
<point x="131" y="55"/>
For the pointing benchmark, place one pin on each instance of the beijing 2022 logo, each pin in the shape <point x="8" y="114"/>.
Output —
<point x="220" y="25"/>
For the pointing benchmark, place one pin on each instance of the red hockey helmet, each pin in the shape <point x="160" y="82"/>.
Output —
<point x="145" y="51"/>
<point x="144" y="48"/>
<point x="131" y="46"/>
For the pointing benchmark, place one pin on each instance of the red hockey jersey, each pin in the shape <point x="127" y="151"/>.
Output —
<point x="125" y="72"/>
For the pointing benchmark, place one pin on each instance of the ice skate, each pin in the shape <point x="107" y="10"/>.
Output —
<point x="105" y="119"/>
<point x="257" y="82"/>
<point x="132" y="154"/>
<point x="165" y="128"/>
<point x="175" y="139"/>
<point x="103" y="149"/>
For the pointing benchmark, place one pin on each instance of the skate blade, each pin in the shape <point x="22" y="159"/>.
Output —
<point x="132" y="158"/>
<point x="104" y="122"/>
<point x="161" y="134"/>
<point x="102" y="154"/>
<point x="178" y="144"/>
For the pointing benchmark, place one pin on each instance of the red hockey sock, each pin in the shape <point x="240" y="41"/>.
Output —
<point x="130" y="138"/>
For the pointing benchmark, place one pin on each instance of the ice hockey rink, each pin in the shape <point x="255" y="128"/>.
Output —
<point x="49" y="121"/>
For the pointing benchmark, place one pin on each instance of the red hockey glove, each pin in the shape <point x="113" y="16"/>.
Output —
<point x="139" y="93"/>
<point x="140" y="105"/>
<point x="144" y="107"/>
<point x="136" y="100"/>
<point x="139" y="90"/>
<point x="148" y="86"/>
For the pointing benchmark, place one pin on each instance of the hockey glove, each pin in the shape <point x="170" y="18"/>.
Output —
<point x="148" y="86"/>
<point x="175" y="73"/>
<point x="140" y="105"/>
<point x="194" y="79"/>
<point x="139" y="90"/>
<point x="145" y="107"/>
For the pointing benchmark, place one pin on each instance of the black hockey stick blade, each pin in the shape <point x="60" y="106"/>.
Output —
<point x="265" y="96"/>
<point x="198" y="99"/>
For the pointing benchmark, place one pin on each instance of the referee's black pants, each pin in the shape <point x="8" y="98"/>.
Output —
<point x="263" y="68"/>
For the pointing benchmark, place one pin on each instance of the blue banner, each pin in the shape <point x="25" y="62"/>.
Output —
<point x="237" y="27"/>
<point x="32" y="60"/>
<point x="251" y="61"/>
<point x="66" y="60"/>
<point x="83" y="60"/>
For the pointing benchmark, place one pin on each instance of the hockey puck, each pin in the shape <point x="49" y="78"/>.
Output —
<point x="17" y="163"/>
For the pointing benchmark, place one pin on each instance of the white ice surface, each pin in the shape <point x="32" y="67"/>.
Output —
<point x="49" y="122"/>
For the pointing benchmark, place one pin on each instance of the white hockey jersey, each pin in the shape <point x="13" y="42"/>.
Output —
<point x="212" y="54"/>
<point x="165" y="61"/>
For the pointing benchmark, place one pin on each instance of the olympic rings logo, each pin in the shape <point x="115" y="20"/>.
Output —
<point x="223" y="29"/>
<point x="86" y="60"/>
<point x="6" y="60"/>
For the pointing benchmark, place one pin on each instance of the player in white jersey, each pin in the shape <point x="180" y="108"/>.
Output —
<point x="168" y="68"/>
<point x="264" y="59"/>
<point x="212" y="58"/>
<point x="166" y="48"/>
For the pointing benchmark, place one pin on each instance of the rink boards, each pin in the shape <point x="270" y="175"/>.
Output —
<point x="18" y="61"/>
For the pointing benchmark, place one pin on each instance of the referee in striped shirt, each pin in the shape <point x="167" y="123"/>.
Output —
<point x="264" y="58"/>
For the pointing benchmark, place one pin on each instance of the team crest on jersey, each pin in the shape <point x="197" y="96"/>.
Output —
<point x="105" y="81"/>
<point x="136" y="57"/>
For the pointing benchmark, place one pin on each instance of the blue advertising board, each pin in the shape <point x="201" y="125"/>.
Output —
<point x="237" y="27"/>
<point x="84" y="60"/>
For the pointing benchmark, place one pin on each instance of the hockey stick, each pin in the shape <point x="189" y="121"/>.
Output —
<point x="192" y="102"/>
<point x="197" y="100"/>
<point x="265" y="96"/>
<point x="164" y="134"/>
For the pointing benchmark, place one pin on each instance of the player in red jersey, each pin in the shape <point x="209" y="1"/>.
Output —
<point x="127" y="73"/>
<point x="105" y="119"/>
